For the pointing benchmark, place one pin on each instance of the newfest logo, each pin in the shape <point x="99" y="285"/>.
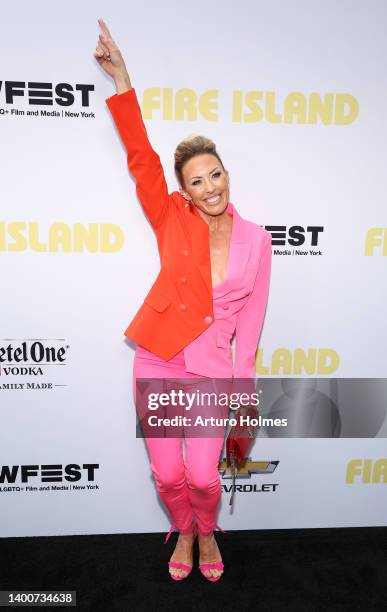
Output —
<point x="30" y="358"/>
<point x="37" y="93"/>
<point x="30" y="478"/>
<point x="298" y="240"/>
<point x="244" y="470"/>
<point x="376" y="242"/>
<point x="366" y="471"/>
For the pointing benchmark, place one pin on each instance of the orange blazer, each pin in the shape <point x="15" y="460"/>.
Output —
<point x="179" y="306"/>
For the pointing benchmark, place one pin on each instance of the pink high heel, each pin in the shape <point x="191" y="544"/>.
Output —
<point x="204" y="567"/>
<point x="178" y="564"/>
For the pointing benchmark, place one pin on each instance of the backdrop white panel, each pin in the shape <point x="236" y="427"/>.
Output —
<point x="271" y="67"/>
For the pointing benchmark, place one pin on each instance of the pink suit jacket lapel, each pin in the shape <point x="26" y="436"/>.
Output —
<point x="238" y="255"/>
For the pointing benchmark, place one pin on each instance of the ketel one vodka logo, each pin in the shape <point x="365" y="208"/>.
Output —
<point x="28" y="357"/>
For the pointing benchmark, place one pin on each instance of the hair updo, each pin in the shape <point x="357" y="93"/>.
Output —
<point x="191" y="146"/>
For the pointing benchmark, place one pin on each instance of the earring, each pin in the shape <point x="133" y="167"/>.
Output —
<point x="187" y="201"/>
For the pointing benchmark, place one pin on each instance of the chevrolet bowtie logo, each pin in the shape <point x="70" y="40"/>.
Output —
<point x="247" y="467"/>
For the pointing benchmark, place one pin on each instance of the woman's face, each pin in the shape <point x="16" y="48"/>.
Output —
<point x="206" y="184"/>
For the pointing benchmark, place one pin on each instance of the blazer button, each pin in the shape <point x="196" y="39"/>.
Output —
<point x="208" y="319"/>
<point x="183" y="307"/>
<point x="183" y="280"/>
<point x="185" y="253"/>
<point x="225" y="306"/>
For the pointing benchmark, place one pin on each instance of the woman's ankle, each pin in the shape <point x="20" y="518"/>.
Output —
<point x="190" y="531"/>
<point x="187" y="536"/>
<point x="206" y="536"/>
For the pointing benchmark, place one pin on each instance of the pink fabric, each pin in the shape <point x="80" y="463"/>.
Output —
<point x="239" y="306"/>
<point x="190" y="488"/>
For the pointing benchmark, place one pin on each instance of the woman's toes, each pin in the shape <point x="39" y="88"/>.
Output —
<point x="210" y="553"/>
<point x="182" y="554"/>
<point x="213" y="572"/>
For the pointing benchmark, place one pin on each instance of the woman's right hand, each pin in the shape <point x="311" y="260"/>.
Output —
<point x="108" y="54"/>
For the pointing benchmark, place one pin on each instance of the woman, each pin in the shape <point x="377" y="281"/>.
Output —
<point x="213" y="281"/>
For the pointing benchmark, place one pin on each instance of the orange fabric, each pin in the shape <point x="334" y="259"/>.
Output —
<point x="179" y="306"/>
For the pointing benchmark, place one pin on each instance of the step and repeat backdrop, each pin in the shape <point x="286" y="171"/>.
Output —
<point x="294" y="96"/>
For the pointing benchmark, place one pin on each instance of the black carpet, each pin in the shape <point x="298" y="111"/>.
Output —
<point x="342" y="569"/>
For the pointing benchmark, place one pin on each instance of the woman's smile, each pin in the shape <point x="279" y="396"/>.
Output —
<point x="213" y="199"/>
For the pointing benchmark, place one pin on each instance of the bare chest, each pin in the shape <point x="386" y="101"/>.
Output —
<point x="219" y="254"/>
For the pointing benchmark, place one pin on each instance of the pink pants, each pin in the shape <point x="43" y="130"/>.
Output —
<point x="189" y="487"/>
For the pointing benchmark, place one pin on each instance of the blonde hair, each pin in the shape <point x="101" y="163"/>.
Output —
<point x="192" y="145"/>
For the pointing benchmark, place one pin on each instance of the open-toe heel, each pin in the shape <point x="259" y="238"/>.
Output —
<point x="218" y="565"/>
<point x="178" y="564"/>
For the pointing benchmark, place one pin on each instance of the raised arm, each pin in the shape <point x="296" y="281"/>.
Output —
<point x="143" y="162"/>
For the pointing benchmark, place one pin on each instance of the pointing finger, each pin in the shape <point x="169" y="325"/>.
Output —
<point x="104" y="28"/>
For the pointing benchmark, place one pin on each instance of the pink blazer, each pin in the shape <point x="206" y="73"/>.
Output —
<point x="239" y="306"/>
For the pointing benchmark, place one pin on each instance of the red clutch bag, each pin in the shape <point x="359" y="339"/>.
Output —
<point x="239" y="440"/>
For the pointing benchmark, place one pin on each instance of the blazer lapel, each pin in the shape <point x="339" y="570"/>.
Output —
<point x="238" y="252"/>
